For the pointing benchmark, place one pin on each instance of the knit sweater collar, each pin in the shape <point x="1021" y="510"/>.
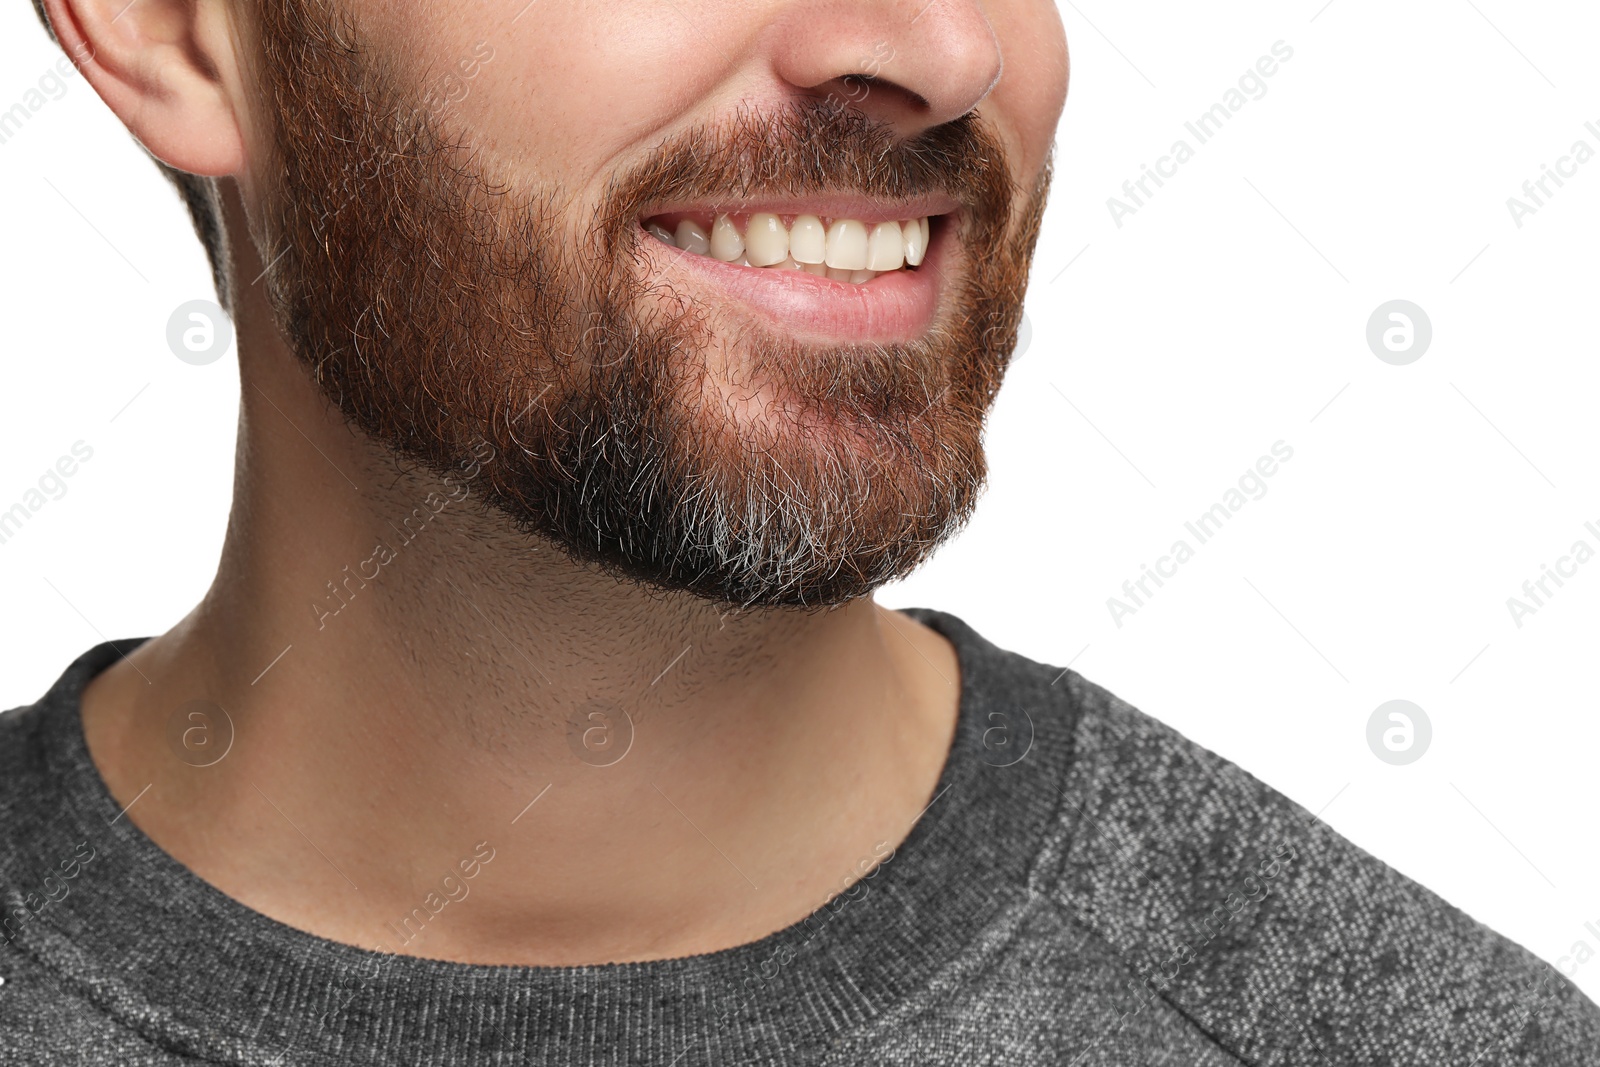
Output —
<point x="202" y="974"/>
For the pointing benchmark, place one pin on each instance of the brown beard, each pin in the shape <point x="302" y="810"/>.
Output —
<point x="435" y="304"/>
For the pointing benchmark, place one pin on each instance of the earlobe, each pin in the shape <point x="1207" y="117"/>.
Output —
<point x="160" y="66"/>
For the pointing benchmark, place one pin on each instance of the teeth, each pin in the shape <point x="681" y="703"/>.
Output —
<point x="886" y="248"/>
<point x="726" y="242"/>
<point x="691" y="238"/>
<point x="847" y="245"/>
<point x="808" y="241"/>
<point x="916" y="240"/>
<point x="766" y="241"/>
<point x="844" y="250"/>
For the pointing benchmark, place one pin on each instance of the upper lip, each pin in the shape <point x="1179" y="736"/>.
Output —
<point x="830" y="205"/>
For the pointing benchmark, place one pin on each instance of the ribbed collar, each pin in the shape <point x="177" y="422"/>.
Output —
<point x="192" y="969"/>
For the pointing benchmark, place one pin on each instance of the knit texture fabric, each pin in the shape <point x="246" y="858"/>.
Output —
<point x="1087" y="888"/>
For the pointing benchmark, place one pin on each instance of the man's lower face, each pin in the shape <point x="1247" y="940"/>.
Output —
<point x="661" y="404"/>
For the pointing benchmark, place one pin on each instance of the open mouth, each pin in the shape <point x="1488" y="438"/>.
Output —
<point x="839" y="268"/>
<point x="847" y="250"/>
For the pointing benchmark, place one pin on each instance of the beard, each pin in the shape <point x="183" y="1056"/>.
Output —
<point x="438" y="304"/>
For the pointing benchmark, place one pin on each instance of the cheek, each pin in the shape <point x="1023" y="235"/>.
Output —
<point x="1026" y="105"/>
<point x="573" y="85"/>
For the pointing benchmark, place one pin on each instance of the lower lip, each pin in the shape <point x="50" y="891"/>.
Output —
<point x="898" y="306"/>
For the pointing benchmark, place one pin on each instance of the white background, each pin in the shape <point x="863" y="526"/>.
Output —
<point x="1167" y="355"/>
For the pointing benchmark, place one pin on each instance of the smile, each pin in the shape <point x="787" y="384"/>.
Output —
<point x="840" y="249"/>
<point x="843" y="269"/>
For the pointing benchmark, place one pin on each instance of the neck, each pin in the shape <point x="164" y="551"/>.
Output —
<point x="450" y="740"/>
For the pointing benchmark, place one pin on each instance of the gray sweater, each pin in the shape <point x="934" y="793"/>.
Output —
<point x="1086" y="889"/>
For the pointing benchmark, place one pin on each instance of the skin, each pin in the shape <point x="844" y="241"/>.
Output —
<point x="774" y="752"/>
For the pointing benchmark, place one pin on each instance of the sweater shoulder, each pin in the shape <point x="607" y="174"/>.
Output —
<point x="26" y="785"/>
<point x="1284" y="941"/>
<point x="42" y="759"/>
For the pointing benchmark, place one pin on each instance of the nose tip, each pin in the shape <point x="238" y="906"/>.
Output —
<point x="912" y="65"/>
<point x="962" y="59"/>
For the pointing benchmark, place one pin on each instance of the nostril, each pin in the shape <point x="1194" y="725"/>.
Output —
<point x="855" y="90"/>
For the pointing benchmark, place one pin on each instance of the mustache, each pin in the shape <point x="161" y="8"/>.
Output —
<point x="816" y="147"/>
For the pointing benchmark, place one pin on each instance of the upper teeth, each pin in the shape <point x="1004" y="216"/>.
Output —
<point x="846" y="250"/>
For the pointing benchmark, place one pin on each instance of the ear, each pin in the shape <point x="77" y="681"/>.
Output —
<point x="164" y="67"/>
